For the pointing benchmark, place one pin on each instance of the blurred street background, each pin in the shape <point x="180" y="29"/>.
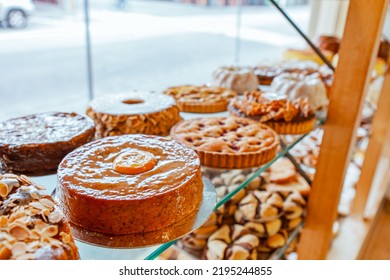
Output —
<point x="139" y="45"/>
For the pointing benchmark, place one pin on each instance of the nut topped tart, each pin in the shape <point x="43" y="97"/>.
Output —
<point x="31" y="225"/>
<point x="133" y="113"/>
<point x="201" y="99"/>
<point x="129" y="184"/>
<point x="227" y="142"/>
<point x="36" y="144"/>
<point x="283" y="115"/>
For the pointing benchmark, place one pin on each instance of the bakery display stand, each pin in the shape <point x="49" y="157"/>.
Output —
<point x="316" y="233"/>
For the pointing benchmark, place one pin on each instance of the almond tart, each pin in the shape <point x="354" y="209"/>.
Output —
<point x="281" y="114"/>
<point x="31" y="225"/>
<point x="227" y="142"/>
<point x="201" y="99"/>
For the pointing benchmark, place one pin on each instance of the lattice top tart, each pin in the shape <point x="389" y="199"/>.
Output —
<point x="228" y="142"/>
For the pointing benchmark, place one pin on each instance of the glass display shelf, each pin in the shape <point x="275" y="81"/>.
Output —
<point x="292" y="235"/>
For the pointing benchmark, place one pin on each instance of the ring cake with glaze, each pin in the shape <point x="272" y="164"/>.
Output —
<point x="36" y="144"/>
<point x="134" y="113"/>
<point x="130" y="184"/>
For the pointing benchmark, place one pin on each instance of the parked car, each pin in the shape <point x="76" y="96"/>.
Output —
<point x="15" y="13"/>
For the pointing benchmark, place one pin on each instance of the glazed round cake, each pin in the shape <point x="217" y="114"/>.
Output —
<point x="36" y="144"/>
<point x="134" y="113"/>
<point x="32" y="227"/>
<point x="129" y="184"/>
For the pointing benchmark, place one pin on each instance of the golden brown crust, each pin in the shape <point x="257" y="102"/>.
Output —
<point x="201" y="99"/>
<point x="31" y="224"/>
<point x="231" y="143"/>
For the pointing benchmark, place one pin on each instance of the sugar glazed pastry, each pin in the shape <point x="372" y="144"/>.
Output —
<point x="283" y="115"/>
<point x="31" y="225"/>
<point x="201" y="99"/>
<point x="302" y="86"/>
<point x="36" y="144"/>
<point x="132" y="113"/>
<point x="130" y="184"/>
<point x="239" y="79"/>
<point x="231" y="143"/>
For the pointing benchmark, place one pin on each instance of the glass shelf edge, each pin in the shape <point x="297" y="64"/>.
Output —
<point x="226" y="198"/>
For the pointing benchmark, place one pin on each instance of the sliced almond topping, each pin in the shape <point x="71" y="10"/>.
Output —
<point x="35" y="235"/>
<point x="8" y="238"/>
<point x="55" y="217"/>
<point x="5" y="253"/>
<point x="4" y="190"/>
<point x="41" y="188"/>
<point x="54" y="242"/>
<point x="19" y="231"/>
<point x="47" y="203"/>
<point x="3" y="221"/>
<point x="24" y="179"/>
<point x="44" y="214"/>
<point x="65" y="237"/>
<point x="17" y="216"/>
<point x="50" y="231"/>
<point x="39" y="225"/>
<point x="33" y="246"/>
<point x="37" y="205"/>
<point x="35" y="194"/>
<point x="18" y="249"/>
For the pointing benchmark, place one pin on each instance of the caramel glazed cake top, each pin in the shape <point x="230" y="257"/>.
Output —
<point x="118" y="104"/>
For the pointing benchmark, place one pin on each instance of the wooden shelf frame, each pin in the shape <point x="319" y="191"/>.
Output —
<point x="357" y="55"/>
